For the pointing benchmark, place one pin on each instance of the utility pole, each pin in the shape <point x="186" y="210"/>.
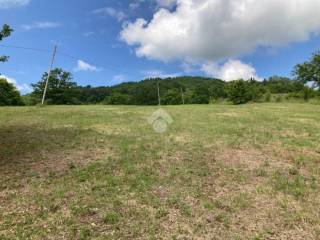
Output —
<point x="49" y="73"/>
<point x="182" y="96"/>
<point x="159" y="93"/>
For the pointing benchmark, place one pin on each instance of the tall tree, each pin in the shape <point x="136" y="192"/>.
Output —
<point x="238" y="91"/>
<point x="61" y="88"/>
<point x="5" y="32"/>
<point x="309" y="71"/>
<point x="9" y="95"/>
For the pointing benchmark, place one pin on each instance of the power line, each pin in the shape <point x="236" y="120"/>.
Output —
<point x="68" y="55"/>
<point x="58" y="52"/>
<point x="25" y="48"/>
<point x="79" y="58"/>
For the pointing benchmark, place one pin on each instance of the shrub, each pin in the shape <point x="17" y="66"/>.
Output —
<point x="267" y="96"/>
<point x="118" y="99"/>
<point x="308" y="94"/>
<point x="238" y="92"/>
<point x="278" y="98"/>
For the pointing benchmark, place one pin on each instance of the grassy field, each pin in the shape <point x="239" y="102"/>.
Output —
<point x="218" y="172"/>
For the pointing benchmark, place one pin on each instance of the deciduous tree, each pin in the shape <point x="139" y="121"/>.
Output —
<point x="9" y="95"/>
<point x="5" y="32"/>
<point x="61" y="88"/>
<point x="309" y="71"/>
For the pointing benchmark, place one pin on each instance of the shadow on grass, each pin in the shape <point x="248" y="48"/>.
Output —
<point x="33" y="150"/>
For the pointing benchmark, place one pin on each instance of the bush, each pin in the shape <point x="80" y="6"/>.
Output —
<point x="308" y="94"/>
<point x="256" y="92"/>
<point x="305" y="95"/>
<point x="294" y="96"/>
<point x="279" y="98"/>
<point x="238" y="92"/>
<point x="267" y="96"/>
<point x="118" y="99"/>
<point x="30" y="100"/>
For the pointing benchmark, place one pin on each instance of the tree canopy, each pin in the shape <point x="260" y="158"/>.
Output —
<point x="5" y="32"/>
<point x="9" y="95"/>
<point x="173" y="91"/>
<point x="309" y="71"/>
<point x="61" y="88"/>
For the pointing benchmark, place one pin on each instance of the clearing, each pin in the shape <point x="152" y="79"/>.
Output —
<point x="218" y="172"/>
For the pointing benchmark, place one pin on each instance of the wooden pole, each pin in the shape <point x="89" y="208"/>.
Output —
<point x="49" y="73"/>
<point x="159" y="99"/>
<point x="182" y="96"/>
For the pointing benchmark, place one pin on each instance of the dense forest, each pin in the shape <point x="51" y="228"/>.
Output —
<point x="173" y="91"/>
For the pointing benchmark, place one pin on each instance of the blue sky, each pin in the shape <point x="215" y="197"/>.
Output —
<point x="107" y="43"/>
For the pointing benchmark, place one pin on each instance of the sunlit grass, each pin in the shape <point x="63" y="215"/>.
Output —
<point x="102" y="172"/>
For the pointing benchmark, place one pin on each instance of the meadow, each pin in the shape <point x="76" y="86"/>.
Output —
<point x="217" y="172"/>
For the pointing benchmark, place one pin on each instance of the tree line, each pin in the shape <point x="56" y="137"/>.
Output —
<point x="173" y="91"/>
<point x="62" y="89"/>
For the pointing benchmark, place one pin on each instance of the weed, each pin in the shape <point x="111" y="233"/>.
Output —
<point x="161" y="212"/>
<point x="85" y="233"/>
<point x="111" y="218"/>
<point x="295" y="185"/>
<point x="72" y="165"/>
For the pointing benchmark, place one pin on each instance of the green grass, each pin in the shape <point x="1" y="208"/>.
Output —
<point x="102" y="172"/>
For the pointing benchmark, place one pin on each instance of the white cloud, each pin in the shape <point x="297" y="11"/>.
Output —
<point x="40" y="25"/>
<point x="188" y="67"/>
<point x="231" y="70"/>
<point x="86" y="67"/>
<point x="221" y="29"/>
<point x="120" y="78"/>
<point x="5" y="4"/>
<point x="23" y="88"/>
<point x="111" y="12"/>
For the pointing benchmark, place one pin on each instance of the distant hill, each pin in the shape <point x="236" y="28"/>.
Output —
<point x="172" y="91"/>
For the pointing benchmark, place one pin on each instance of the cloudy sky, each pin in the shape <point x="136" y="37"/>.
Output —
<point x="105" y="42"/>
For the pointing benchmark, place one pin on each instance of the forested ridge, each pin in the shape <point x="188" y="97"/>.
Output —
<point x="173" y="91"/>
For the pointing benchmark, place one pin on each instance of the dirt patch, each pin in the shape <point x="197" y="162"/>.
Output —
<point x="229" y="114"/>
<point x="74" y="158"/>
<point x="181" y="138"/>
<point x="249" y="158"/>
<point x="32" y="151"/>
